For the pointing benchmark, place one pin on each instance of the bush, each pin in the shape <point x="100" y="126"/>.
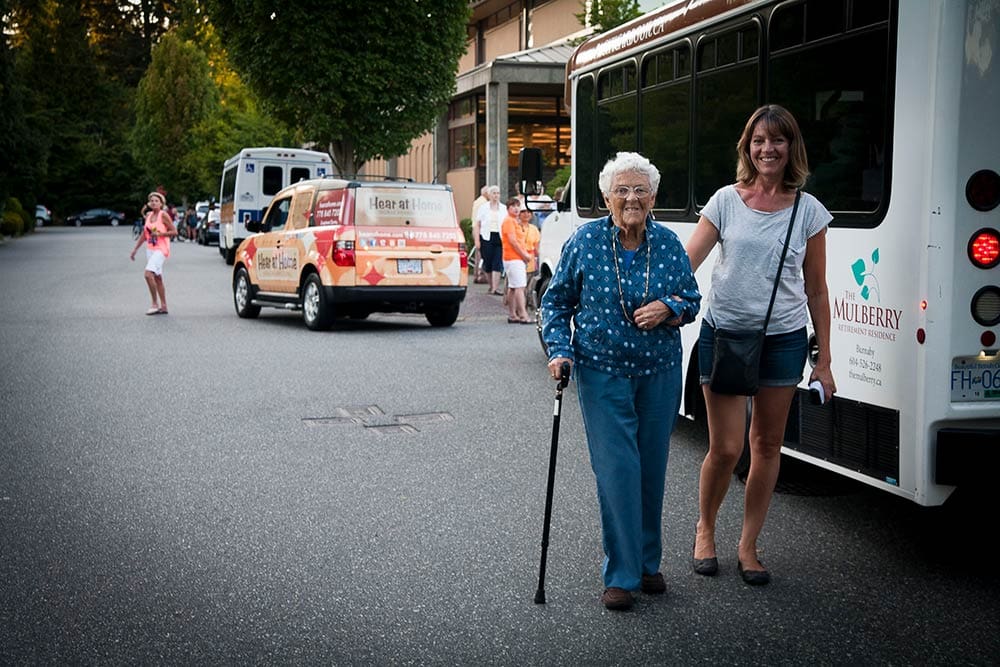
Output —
<point x="15" y="220"/>
<point x="466" y="225"/>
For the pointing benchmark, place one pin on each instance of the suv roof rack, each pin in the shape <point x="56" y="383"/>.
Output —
<point x="369" y="177"/>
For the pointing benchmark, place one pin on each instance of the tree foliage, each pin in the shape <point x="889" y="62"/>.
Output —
<point x="603" y="15"/>
<point x="363" y="79"/>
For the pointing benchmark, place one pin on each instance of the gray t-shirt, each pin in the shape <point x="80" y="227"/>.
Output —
<point x="750" y="248"/>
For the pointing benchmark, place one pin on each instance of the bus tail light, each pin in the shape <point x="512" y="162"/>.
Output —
<point x="984" y="248"/>
<point x="983" y="190"/>
<point x="986" y="306"/>
<point x="463" y="256"/>
<point x="343" y="253"/>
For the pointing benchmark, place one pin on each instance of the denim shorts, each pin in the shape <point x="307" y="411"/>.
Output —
<point x="781" y="361"/>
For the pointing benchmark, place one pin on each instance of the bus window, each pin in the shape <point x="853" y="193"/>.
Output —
<point x="725" y="94"/>
<point x="616" y="109"/>
<point x="299" y="174"/>
<point x="835" y="87"/>
<point x="666" y="118"/>
<point x="228" y="185"/>
<point x="586" y="174"/>
<point x="272" y="180"/>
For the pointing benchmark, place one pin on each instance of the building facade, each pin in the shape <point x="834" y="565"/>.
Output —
<point x="510" y="89"/>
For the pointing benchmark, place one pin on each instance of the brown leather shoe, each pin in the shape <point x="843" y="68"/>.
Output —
<point x="616" y="599"/>
<point x="653" y="584"/>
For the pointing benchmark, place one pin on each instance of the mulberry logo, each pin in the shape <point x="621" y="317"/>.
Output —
<point x="866" y="319"/>
<point x="864" y="276"/>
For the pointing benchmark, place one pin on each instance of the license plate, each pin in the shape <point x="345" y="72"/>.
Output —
<point x="405" y="267"/>
<point x="975" y="379"/>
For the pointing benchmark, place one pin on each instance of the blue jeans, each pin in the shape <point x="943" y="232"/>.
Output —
<point x="628" y="422"/>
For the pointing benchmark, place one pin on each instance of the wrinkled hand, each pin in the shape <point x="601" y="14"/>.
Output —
<point x="555" y="366"/>
<point x="653" y="314"/>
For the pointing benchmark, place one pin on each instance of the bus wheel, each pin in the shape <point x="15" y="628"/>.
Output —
<point x="316" y="312"/>
<point x="230" y="255"/>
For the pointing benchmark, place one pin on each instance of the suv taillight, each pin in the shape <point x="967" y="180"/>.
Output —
<point x="343" y="253"/>
<point x="463" y="256"/>
<point x="984" y="248"/>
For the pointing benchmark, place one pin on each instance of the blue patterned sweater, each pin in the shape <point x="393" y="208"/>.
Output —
<point x="585" y="289"/>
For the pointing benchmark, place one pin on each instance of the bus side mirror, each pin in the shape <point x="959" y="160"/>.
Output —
<point x="529" y="171"/>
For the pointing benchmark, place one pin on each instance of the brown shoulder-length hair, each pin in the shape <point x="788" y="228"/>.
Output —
<point x="777" y="120"/>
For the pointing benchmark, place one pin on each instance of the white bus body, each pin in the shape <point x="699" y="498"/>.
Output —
<point x="899" y="104"/>
<point x="251" y="178"/>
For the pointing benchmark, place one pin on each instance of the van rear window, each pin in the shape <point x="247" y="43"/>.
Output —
<point x="393" y="207"/>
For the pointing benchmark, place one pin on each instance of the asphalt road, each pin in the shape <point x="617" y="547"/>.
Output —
<point x="200" y="489"/>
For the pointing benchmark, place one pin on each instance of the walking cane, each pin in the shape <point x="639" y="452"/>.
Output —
<point x="563" y="381"/>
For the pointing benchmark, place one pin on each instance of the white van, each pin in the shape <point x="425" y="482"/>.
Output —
<point x="251" y="178"/>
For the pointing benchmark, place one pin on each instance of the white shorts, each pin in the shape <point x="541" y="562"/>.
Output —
<point x="154" y="261"/>
<point x="517" y="274"/>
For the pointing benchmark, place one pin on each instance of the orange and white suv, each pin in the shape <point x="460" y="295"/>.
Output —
<point x="337" y="247"/>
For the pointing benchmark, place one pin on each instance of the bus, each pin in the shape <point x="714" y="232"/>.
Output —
<point x="898" y="102"/>
<point x="251" y="178"/>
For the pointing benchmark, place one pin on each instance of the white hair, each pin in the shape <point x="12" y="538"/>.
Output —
<point x="623" y="162"/>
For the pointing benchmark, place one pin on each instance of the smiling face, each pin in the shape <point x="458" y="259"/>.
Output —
<point x="630" y="212"/>
<point x="768" y="151"/>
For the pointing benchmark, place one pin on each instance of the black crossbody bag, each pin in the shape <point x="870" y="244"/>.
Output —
<point x="736" y="353"/>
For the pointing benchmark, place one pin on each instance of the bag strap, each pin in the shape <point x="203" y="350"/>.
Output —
<point x="781" y="264"/>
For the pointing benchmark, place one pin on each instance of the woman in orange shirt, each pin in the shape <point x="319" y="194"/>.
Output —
<point x="515" y="260"/>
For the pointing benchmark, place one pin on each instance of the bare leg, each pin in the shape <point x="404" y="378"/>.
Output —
<point x="494" y="281"/>
<point x="520" y="305"/>
<point x="162" y="292"/>
<point x="767" y="433"/>
<point x="151" y="284"/>
<point x="726" y="428"/>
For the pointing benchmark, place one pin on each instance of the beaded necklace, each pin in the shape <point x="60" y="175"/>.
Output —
<point x="621" y="294"/>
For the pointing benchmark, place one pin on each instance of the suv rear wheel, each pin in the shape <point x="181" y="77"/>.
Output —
<point x="317" y="313"/>
<point x="443" y="317"/>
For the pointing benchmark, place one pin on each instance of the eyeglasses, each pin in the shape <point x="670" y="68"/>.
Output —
<point x="623" y="191"/>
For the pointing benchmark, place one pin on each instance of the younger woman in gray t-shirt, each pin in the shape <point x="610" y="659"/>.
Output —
<point x="749" y="221"/>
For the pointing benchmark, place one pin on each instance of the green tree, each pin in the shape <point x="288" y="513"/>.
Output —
<point x="363" y="79"/>
<point x="603" y="15"/>
<point x="174" y="96"/>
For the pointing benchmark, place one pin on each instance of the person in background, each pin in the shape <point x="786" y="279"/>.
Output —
<point x="750" y="220"/>
<point x="486" y="233"/>
<point x="532" y="237"/>
<point x="480" y="276"/>
<point x="190" y="222"/>
<point x="515" y="262"/>
<point x="157" y="231"/>
<point x="621" y="289"/>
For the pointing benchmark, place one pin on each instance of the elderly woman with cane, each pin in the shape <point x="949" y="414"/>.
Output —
<point x="625" y="283"/>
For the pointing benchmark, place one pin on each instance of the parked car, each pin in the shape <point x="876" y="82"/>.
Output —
<point x="208" y="231"/>
<point x="346" y="248"/>
<point x="43" y="215"/>
<point x="96" y="216"/>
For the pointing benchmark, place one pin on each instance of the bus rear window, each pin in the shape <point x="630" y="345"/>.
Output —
<point x="394" y="207"/>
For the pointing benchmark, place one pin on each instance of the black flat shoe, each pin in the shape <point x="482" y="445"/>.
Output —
<point x="753" y="577"/>
<point x="707" y="567"/>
